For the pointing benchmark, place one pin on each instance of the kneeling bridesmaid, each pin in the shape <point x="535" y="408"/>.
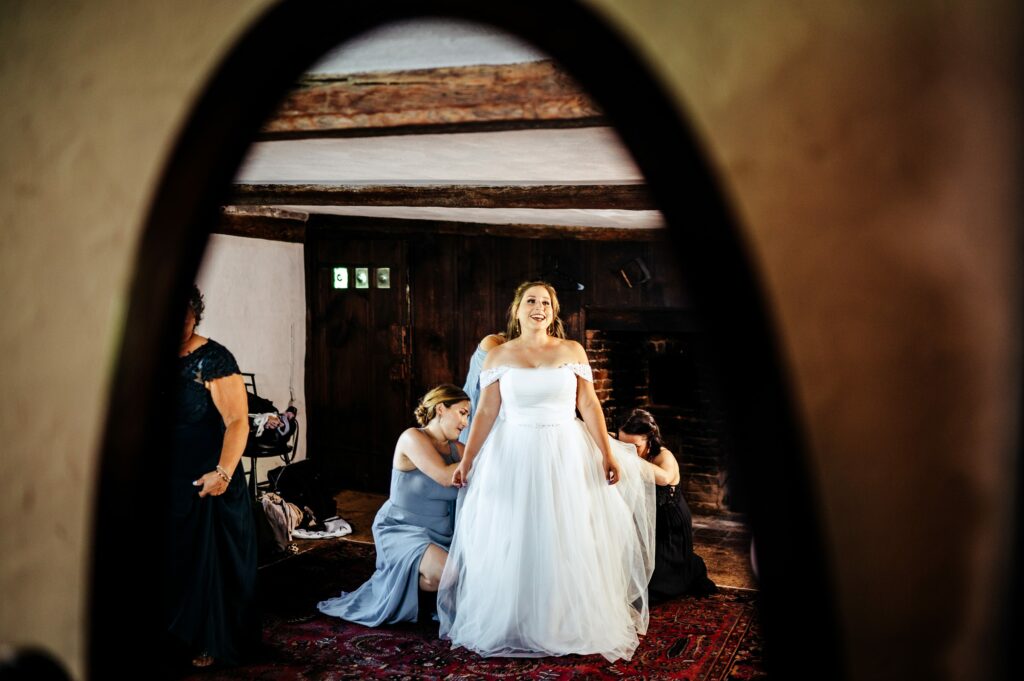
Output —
<point x="677" y="569"/>
<point x="413" y="529"/>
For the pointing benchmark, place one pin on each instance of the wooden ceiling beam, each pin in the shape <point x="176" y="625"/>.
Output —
<point x="399" y="226"/>
<point x="449" y="99"/>
<point x="259" y="225"/>
<point x="262" y="224"/>
<point x="619" y="196"/>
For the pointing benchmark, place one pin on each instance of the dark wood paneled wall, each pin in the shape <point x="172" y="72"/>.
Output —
<point x="459" y="289"/>
<point x="462" y="287"/>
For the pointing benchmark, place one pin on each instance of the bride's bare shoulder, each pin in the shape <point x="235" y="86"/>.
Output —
<point x="499" y="355"/>
<point x="572" y="350"/>
<point x="492" y="341"/>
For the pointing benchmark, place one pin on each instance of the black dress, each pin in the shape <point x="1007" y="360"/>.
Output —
<point x="677" y="569"/>
<point x="210" y="581"/>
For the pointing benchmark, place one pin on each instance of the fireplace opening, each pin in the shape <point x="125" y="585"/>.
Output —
<point x="666" y="369"/>
<point x="671" y="378"/>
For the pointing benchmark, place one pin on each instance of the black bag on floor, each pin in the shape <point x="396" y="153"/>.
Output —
<point x="302" y="484"/>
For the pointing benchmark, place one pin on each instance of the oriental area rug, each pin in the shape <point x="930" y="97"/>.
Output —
<point x="709" y="638"/>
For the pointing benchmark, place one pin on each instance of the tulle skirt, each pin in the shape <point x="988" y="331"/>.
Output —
<point x="547" y="557"/>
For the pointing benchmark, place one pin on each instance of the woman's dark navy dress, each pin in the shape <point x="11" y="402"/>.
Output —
<point x="210" y="581"/>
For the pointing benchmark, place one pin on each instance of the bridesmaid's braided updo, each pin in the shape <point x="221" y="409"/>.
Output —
<point x="641" y="422"/>
<point x="446" y="394"/>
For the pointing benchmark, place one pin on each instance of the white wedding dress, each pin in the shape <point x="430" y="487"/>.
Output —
<point x="547" y="557"/>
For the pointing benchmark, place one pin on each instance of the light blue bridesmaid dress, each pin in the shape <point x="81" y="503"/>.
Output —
<point x="419" y="512"/>
<point x="472" y="388"/>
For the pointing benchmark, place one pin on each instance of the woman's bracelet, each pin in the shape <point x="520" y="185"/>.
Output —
<point x="224" y="474"/>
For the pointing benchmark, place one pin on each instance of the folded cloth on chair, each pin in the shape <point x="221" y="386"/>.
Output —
<point x="261" y="421"/>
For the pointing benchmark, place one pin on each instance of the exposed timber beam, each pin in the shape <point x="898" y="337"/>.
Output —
<point x="242" y="222"/>
<point x="448" y="99"/>
<point x="615" y="196"/>
<point x="399" y="226"/>
<point x="262" y="223"/>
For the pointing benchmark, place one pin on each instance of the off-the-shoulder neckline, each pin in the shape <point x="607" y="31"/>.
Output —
<point x="559" y="366"/>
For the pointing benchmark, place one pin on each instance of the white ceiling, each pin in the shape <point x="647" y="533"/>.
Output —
<point x="569" y="155"/>
<point x="426" y="43"/>
<point x="577" y="155"/>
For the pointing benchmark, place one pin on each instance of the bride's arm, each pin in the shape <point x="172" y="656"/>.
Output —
<point x="483" y="420"/>
<point x="593" y="417"/>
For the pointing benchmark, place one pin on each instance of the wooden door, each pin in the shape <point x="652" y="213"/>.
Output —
<point x="358" y="359"/>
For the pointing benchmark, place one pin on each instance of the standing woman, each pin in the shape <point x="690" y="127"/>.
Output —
<point x="413" y="529"/>
<point x="211" y="540"/>
<point x="553" y="543"/>
<point x="472" y="386"/>
<point x="677" y="569"/>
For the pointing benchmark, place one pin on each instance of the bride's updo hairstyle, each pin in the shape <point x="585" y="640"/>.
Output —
<point x="556" y="328"/>
<point x="640" y="422"/>
<point x="446" y="394"/>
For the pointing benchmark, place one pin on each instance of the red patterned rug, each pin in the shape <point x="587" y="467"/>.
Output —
<point x="709" y="638"/>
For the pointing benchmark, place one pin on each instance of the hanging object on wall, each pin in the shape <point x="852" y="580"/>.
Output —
<point x="340" y="277"/>
<point x="635" y="273"/>
<point x="362" y="277"/>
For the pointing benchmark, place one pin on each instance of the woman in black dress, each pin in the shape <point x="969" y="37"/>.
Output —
<point x="677" y="569"/>
<point x="211" y="538"/>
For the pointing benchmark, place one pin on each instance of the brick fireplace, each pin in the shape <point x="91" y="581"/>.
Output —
<point x="657" y="360"/>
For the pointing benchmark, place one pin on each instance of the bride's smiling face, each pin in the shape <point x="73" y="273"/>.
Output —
<point x="535" y="310"/>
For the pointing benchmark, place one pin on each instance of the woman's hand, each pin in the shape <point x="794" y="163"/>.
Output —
<point x="460" y="478"/>
<point x="212" y="484"/>
<point x="611" y="470"/>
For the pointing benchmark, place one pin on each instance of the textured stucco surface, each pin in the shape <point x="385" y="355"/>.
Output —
<point x="869" y="149"/>
<point x="95" y="93"/>
<point x="872" y="153"/>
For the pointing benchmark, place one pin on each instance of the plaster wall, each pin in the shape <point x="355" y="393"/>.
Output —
<point x="255" y="297"/>
<point x="872" y="153"/>
<point x="870" y="149"/>
<point x="96" y="93"/>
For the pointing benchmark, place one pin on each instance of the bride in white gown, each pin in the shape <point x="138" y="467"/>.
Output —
<point x="554" y="537"/>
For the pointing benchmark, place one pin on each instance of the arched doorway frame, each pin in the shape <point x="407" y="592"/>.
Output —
<point x="770" y="451"/>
